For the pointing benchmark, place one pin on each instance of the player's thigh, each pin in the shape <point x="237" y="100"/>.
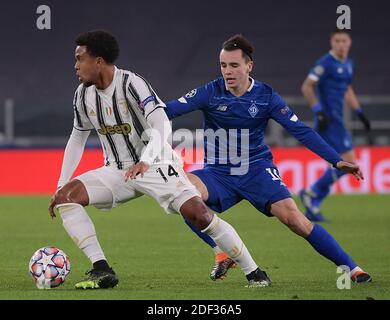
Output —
<point x="106" y="187"/>
<point x="198" y="183"/>
<point x="168" y="184"/>
<point x="221" y="188"/>
<point x="263" y="186"/>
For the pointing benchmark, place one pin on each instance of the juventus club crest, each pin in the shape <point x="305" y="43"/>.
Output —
<point x="253" y="110"/>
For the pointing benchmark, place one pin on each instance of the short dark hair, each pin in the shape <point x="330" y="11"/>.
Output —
<point x="339" y="31"/>
<point x="238" y="41"/>
<point x="100" y="43"/>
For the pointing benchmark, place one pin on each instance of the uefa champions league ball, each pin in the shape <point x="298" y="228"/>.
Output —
<point x="49" y="267"/>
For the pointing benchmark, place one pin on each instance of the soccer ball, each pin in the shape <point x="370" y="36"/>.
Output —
<point x="49" y="266"/>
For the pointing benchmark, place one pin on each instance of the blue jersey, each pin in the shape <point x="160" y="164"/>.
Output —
<point x="246" y="117"/>
<point x="334" y="77"/>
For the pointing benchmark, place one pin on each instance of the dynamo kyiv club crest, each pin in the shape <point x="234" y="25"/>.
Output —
<point x="253" y="110"/>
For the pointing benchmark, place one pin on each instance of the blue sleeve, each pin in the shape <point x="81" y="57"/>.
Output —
<point x="193" y="100"/>
<point x="351" y="71"/>
<point x="319" y="71"/>
<point x="282" y="114"/>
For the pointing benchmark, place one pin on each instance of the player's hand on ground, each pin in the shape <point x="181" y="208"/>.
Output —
<point x="351" y="168"/>
<point x="139" y="168"/>
<point x="322" y="120"/>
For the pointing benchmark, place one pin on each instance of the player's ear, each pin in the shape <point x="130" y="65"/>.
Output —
<point x="99" y="61"/>
<point x="250" y="66"/>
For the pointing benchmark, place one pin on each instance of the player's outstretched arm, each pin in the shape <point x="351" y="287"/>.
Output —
<point x="72" y="156"/>
<point x="314" y="142"/>
<point x="351" y="168"/>
<point x="282" y="114"/>
<point x="193" y="100"/>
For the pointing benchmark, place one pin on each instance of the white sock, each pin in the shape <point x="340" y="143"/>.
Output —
<point x="230" y="242"/>
<point x="356" y="269"/>
<point x="80" y="228"/>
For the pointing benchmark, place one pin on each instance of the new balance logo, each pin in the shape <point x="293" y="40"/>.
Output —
<point x="120" y="129"/>
<point x="222" y="108"/>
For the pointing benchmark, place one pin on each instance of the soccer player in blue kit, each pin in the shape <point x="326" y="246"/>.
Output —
<point x="241" y="106"/>
<point x="332" y="77"/>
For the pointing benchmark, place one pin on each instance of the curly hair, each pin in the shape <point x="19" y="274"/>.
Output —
<point x="100" y="43"/>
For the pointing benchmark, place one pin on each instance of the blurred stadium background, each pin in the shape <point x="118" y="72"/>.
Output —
<point x="175" y="46"/>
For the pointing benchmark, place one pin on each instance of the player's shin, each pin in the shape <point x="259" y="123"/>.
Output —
<point x="230" y="242"/>
<point x="80" y="228"/>
<point x="323" y="242"/>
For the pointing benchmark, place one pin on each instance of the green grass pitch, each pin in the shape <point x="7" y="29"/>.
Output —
<point x="156" y="256"/>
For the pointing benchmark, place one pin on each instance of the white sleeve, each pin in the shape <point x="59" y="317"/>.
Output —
<point x="158" y="135"/>
<point x="145" y="96"/>
<point x="81" y="120"/>
<point x="72" y="155"/>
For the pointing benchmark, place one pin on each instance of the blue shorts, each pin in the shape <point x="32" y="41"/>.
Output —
<point x="337" y="137"/>
<point x="261" y="186"/>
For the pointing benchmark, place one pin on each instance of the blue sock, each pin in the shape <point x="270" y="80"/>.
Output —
<point x="327" y="246"/>
<point x="205" y="237"/>
<point x="322" y="187"/>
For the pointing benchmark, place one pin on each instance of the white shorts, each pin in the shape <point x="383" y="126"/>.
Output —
<point x="167" y="183"/>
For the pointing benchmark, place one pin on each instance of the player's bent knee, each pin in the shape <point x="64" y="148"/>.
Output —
<point x="196" y="212"/>
<point x="72" y="192"/>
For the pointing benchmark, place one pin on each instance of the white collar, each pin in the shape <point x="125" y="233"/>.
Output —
<point x="252" y="84"/>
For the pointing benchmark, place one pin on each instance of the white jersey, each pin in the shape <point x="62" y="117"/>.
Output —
<point x="119" y="114"/>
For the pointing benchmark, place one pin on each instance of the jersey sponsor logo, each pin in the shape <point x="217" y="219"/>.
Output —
<point x="319" y="70"/>
<point x="222" y="108"/>
<point x="124" y="128"/>
<point x="191" y="93"/>
<point x="253" y="110"/>
<point x="340" y="70"/>
<point x="146" y="101"/>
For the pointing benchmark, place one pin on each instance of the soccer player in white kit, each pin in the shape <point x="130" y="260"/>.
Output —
<point x="133" y="130"/>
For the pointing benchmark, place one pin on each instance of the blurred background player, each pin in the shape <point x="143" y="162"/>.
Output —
<point x="237" y="101"/>
<point x="326" y="87"/>
<point x="133" y="129"/>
